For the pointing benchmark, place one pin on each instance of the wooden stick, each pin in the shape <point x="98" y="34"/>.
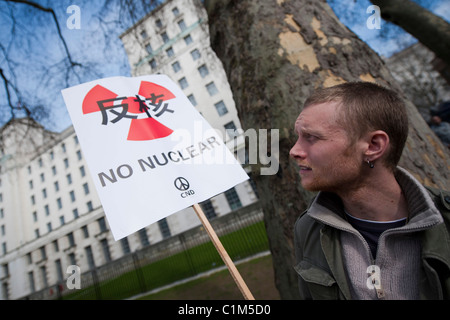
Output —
<point x="223" y="254"/>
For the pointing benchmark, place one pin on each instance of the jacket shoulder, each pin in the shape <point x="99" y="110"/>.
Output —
<point x="441" y="199"/>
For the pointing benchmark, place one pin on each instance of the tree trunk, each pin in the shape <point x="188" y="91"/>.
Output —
<point x="429" y="29"/>
<point x="275" y="54"/>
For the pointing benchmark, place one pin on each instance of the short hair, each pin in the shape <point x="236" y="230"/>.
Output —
<point x="365" y="107"/>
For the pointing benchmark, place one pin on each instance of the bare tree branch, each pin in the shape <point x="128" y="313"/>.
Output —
<point x="52" y="12"/>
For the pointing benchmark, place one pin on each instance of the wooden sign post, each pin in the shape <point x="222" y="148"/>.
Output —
<point x="223" y="254"/>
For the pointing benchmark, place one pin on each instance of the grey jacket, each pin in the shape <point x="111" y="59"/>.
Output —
<point x="333" y="258"/>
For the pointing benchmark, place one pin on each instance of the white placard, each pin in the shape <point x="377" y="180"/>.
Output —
<point x="149" y="151"/>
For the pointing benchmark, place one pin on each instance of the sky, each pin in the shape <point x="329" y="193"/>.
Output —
<point x="36" y="44"/>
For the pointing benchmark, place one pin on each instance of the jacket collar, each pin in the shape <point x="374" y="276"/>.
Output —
<point x="328" y="208"/>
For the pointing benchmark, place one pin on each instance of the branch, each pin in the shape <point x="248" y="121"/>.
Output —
<point x="6" y="83"/>
<point x="21" y="106"/>
<point x="52" y="12"/>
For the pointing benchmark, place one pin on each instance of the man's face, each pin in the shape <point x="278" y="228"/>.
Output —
<point x="327" y="160"/>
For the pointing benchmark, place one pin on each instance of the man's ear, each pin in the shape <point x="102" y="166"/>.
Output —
<point x="377" y="145"/>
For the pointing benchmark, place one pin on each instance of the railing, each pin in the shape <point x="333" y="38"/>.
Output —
<point x="242" y="232"/>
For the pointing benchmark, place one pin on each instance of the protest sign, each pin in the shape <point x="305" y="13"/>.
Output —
<point x="149" y="151"/>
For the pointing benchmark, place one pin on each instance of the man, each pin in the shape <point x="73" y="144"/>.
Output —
<point x="372" y="231"/>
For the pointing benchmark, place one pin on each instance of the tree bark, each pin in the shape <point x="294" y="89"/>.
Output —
<point x="431" y="30"/>
<point x="275" y="54"/>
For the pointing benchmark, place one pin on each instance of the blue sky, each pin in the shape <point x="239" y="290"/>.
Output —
<point x="389" y="38"/>
<point x="37" y="44"/>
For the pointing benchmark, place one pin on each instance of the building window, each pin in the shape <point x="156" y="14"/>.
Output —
<point x="75" y="138"/>
<point x="192" y="99"/>
<point x="182" y="25"/>
<point x="175" y="12"/>
<point x="125" y="245"/>
<point x="44" y="193"/>
<point x="49" y="227"/>
<point x="86" y="188"/>
<point x="30" y="183"/>
<point x="153" y="64"/>
<point x="79" y="156"/>
<point x="56" y="246"/>
<point x="72" y="195"/>
<point x="35" y="218"/>
<point x="63" y="146"/>
<point x="233" y="199"/>
<point x="4" y="248"/>
<point x="69" y="178"/>
<point x="59" y="271"/>
<point x="85" y="231"/>
<point x="33" y="201"/>
<point x="195" y="54"/>
<point x="158" y="23"/>
<point x="62" y="220"/>
<point x="52" y="155"/>
<point x="90" y="257"/>
<point x="89" y="206"/>
<point x="71" y="239"/>
<point x="203" y="70"/>
<point x="66" y="163"/>
<point x="183" y="83"/>
<point x="143" y="237"/>
<point x="165" y="37"/>
<point x="176" y="66"/>
<point x="47" y="210"/>
<point x="43" y="253"/>
<point x="36" y="233"/>
<point x="221" y="108"/>
<point x="56" y="184"/>
<point x="31" y="281"/>
<point x="72" y="259"/>
<point x="188" y="39"/>
<point x="144" y="34"/>
<point x="164" y="228"/>
<point x="44" y="275"/>
<point x="105" y="248"/>
<point x="40" y="162"/>
<point x="170" y="52"/>
<point x="54" y="170"/>
<point x="212" y="89"/>
<point x="59" y="203"/>
<point x="102" y="225"/>
<point x="230" y="127"/>
<point x="82" y="171"/>
<point x="148" y="48"/>
<point x="208" y="209"/>
<point x="75" y="213"/>
<point x="42" y="177"/>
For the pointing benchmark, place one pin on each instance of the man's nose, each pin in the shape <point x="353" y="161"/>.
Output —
<point x="297" y="151"/>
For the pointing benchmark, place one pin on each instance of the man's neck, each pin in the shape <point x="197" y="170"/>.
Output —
<point x="378" y="198"/>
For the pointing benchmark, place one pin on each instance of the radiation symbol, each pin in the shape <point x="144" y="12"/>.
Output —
<point x="149" y="103"/>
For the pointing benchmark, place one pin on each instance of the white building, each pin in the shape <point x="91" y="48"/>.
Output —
<point x="174" y="40"/>
<point x="50" y="214"/>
